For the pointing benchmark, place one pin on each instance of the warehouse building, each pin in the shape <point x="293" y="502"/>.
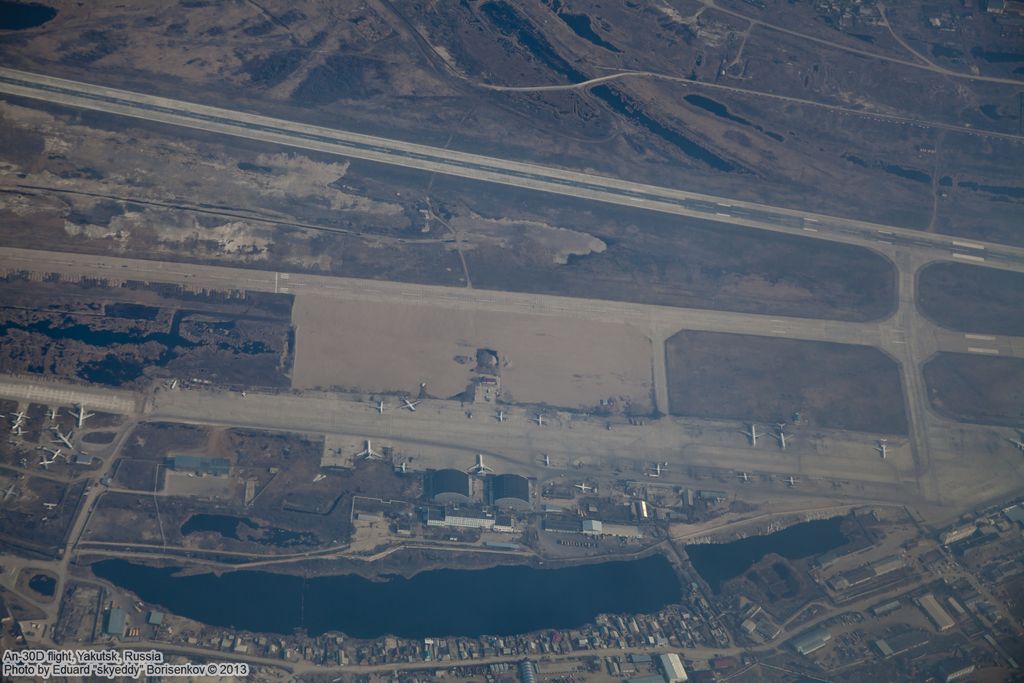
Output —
<point x="197" y="464"/>
<point x="447" y="486"/>
<point x="116" y="622"/>
<point x="510" y="492"/>
<point x="467" y="518"/>
<point x="672" y="667"/>
<point x="811" y="641"/>
<point x="933" y="609"/>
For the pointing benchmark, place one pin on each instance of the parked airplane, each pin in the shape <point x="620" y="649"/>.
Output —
<point x="547" y="460"/>
<point x="368" y="452"/>
<point x="656" y="470"/>
<point x="584" y="487"/>
<point x="319" y="477"/>
<point x="883" y="448"/>
<point x="411" y="405"/>
<point x="49" y="506"/>
<point x="81" y="415"/>
<point x="539" y="419"/>
<point x="1019" y="443"/>
<point x="480" y="467"/>
<point x="381" y="407"/>
<point x="45" y="464"/>
<point x="501" y="416"/>
<point x="791" y="481"/>
<point x="20" y="418"/>
<point x="752" y="434"/>
<point x="54" y="452"/>
<point x="402" y="468"/>
<point x="53" y="414"/>
<point x="9" y="492"/>
<point x="63" y="438"/>
<point x="744" y="476"/>
<point x="782" y="435"/>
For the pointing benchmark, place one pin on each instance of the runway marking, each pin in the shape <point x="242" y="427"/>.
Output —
<point x="811" y="229"/>
<point x="979" y="349"/>
<point x="968" y="245"/>
<point x="980" y="337"/>
<point x="968" y="257"/>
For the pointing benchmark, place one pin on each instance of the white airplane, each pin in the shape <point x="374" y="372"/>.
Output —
<point x="782" y="435"/>
<point x="9" y="492"/>
<point x="539" y="419"/>
<point x="411" y="405"/>
<point x="744" y="476"/>
<point x="54" y="452"/>
<point x="1019" y="443"/>
<point x="657" y="469"/>
<point x="18" y="430"/>
<point x="319" y="477"/>
<point x="752" y="434"/>
<point x="584" y="487"/>
<point x="53" y="414"/>
<point x="49" y="506"/>
<point x="791" y="481"/>
<point x="45" y="464"/>
<point x="547" y="460"/>
<point x="63" y="438"/>
<point x="368" y="452"/>
<point x="480" y="467"/>
<point x="381" y="407"/>
<point x="402" y="468"/>
<point x="81" y="415"/>
<point x="501" y="416"/>
<point x="883" y="448"/>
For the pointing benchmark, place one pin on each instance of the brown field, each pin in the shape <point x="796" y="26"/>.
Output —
<point x="972" y="298"/>
<point x="765" y="379"/>
<point x="973" y="388"/>
<point x="394" y="347"/>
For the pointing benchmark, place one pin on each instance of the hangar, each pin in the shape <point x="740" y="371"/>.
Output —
<point x="447" y="486"/>
<point x="509" y="491"/>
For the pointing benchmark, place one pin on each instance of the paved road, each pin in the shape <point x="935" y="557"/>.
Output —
<point x="491" y="169"/>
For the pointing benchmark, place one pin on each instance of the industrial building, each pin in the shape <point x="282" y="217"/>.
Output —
<point x="116" y="622"/>
<point x="958" y="534"/>
<point x="468" y="518"/>
<point x="672" y="667"/>
<point x="197" y="464"/>
<point x="447" y="486"/>
<point x="811" y="641"/>
<point x="509" y="491"/>
<point x="933" y="609"/>
<point x="562" y="523"/>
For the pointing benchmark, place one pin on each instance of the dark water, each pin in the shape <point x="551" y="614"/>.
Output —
<point x="497" y="601"/>
<point x="627" y="108"/>
<point x="580" y="25"/>
<point x="719" y="562"/>
<point x="721" y="111"/>
<point x="944" y="51"/>
<point x="908" y="173"/>
<point x="43" y="584"/>
<point x="1015" y="192"/>
<point x="995" y="56"/>
<point x="227" y="527"/>
<point x="15" y="16"/>
<point x="504" y="17"/>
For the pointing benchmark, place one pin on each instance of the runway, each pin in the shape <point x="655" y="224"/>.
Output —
<point x="501" y="171"/>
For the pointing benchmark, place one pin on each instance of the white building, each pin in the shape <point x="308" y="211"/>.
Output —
<point x="672" y="667"/>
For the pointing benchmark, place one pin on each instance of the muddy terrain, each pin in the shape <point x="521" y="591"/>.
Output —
<point x="131" y="333"/>
<point x="973" y="388"/>
<point x="765" y="379"/>
<point x="972" y="298"/>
